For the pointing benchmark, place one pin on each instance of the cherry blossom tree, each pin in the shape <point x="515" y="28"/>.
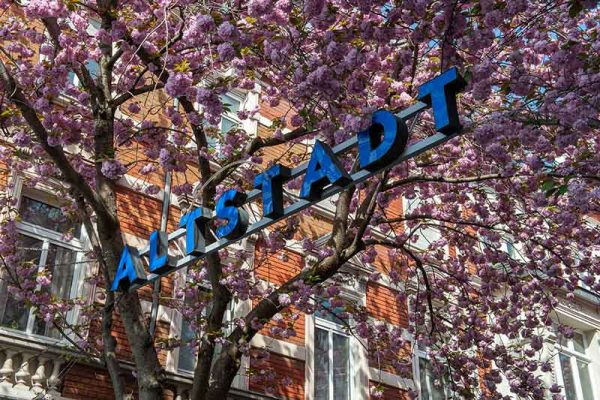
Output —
<point x="512" y="197"/>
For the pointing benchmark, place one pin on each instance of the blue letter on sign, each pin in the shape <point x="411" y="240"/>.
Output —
<point x="194" y="223"/>
<point x="129" y="271"/>
<point x="237" y="218"/>
<point x="271" y="183"/>
<point x="383" y="141"/>
<point x="323" y="168"/>
<point x="440" y="94"/>
<point x="159" y="260"/>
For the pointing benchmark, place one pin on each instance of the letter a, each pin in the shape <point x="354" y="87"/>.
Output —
<point x="129" y="271"/>
<point x="323" y="169"/>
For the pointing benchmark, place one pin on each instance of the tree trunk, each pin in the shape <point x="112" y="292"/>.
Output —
<point x="149" y="370"/>
<point x="148" y="367"/>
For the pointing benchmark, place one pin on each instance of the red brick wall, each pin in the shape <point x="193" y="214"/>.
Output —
<point x="283" y="368"/>
<point x="298" y="325"/>
<point x="383" y="305"/>
<point x="283" y="153"/>
<point x="277" y="268"/>
<point x="87" y="383"/>
<point x="123" y="350"/>
<point x="140" y="215"/>
<point x="4" y="174"/>
<point x="83" y="382"/>
<point x="283" y="109"/>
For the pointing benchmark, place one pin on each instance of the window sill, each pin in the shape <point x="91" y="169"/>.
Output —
<point x="18" y="338"/>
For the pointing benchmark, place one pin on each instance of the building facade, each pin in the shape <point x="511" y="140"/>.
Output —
<point x="319" y="361"/>
<point x="299" y="356"/>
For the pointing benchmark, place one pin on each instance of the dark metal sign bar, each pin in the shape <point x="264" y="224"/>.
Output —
<point x="378" y="147"/>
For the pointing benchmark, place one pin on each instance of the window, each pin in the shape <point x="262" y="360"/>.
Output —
<point x="431" y="386"/>
<point x="44" y="243"/>
<point x="425" y="234"/>
<point x="332" y="369"/>
<point x="232" y="106"/>
<point x="187" y="354"/>
<point x="186" y="360"/>
<point x="572" y="368"/>
<point x="229" y="120"/>
<point x="92" y="66"/>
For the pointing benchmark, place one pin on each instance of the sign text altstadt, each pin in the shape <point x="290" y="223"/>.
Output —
<point x="381" y="146"/>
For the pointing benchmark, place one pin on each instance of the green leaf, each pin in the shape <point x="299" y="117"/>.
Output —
<point x="548" y="186"/>
<point x="561" y="190"/>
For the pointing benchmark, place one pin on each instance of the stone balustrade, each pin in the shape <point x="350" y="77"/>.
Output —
<point x="25" y="374"/>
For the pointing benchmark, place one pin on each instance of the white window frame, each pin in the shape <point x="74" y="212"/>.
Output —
<point x="574" y="356"/>
<point x="247" y="101"/>
<point x="47" y="237"/>
<point x="427" y="235"/>
<point x="334" y="328"/>
<point x="419" y="354"/>
<point x="177" y="328"/>
<point x="359" y="360"/>
<point x="230" y="115"/>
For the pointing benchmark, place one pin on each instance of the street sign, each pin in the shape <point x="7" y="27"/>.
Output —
<point x="380" y="147"/>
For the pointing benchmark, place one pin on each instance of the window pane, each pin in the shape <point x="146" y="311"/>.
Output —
<point x="584" y="377"/>
<point x="330" y="314"/>
<point x="567" y="374"/>
<point x="29" y="249"/>
<point x="437" y="389"/>
<point x="341" y="367"/>
<point x="432" y="387"/>
<point x="16" y="314"/>
<point x="93" y="67"/>
<point x="60" y="263"/>
<point x="230" y="103"/>
<point x="578" y="342"/>
<point x="71" y="77"/>
<point x="423" y="378"/>
<point x="47" y="216"/>
<point x="227" y="125"/>
<point x="187" y="358"/>
<point x="321" y="364"/>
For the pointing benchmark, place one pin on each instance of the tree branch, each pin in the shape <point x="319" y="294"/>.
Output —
<point x="109" y="341"/>
<point x="258" y="143"/>
<point x="15" y="94"/>
<point x="117" y="101"/>
<point x="441" y="179"/>
<point x="82" y="73"/>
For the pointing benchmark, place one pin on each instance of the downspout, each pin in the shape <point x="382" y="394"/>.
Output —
<point x="163" y="227"/>
<point x="164" y="217"/>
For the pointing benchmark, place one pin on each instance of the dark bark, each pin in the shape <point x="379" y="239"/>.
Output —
<point x="148" y="368"/>
<point x="109" y="342"/>
<point x="221" y="295"/>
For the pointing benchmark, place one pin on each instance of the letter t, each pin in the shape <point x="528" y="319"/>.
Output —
<point x="440" y="94"/>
